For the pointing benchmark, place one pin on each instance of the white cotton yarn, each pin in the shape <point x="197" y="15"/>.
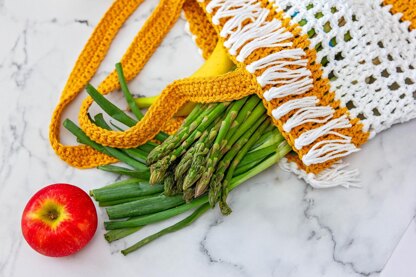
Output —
<point x="373" y="73"/>
<point x="369" y="55"/>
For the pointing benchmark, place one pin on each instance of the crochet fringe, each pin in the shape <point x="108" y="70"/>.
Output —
<point x="246" y="29"/>
<point x="334" y="176"/>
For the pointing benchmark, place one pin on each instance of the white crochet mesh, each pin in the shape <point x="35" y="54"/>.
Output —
<point x="368" y="54"/>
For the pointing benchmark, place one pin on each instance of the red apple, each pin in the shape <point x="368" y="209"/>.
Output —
<point x="59" y="220"/>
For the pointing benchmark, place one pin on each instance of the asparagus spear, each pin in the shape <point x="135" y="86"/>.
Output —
<point x="191" y="122"/>
<point x="243" y="114"/>
<point x="188" y="194"/>
<point x="214" y="155"/>
<point x="185" y="163"/>
<point x="251" y="117"/>
<point x="215" y="183"/>
<point x="159" y="168"/>
<point x="225" y="209"/>
<point x="227" y="122"/>
<point x="258" y="112"/>
<point x="199" y="159"/>
<point x="169" y="183"/>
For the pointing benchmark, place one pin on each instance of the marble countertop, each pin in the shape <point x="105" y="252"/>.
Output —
<point x="279" y="225"/>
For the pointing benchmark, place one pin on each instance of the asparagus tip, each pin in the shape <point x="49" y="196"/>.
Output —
<point x="225" y="209"/>
<point x="188" y="182"/>
<point x="199" y="191"/>
<point x="155" y="177"/>
<point x="158" y="171"/>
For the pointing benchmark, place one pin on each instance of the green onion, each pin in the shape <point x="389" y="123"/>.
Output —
<point x="144" y="206"/>
<point x="114" y="235"/>
<point x="127" y="191"/>
<point x="142" y="174"/>
<point x="127" y="94"/>
<point x="180" y="225"/>
<point x="83" y="138"/>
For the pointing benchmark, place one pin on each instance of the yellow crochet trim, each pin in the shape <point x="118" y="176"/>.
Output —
<point x="405" y="7"/>
<point x="205" y="35"/>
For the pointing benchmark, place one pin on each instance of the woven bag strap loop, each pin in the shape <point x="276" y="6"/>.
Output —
<point x="139" y="52"/>
<point x="165" y="15"/>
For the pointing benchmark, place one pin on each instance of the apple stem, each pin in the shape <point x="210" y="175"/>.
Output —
<point x="52" y="214"/>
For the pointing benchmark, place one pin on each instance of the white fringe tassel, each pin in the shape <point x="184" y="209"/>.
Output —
<point x="336" y="175"/>
<point x="242" y="40"/>
<point x="319" y="114"/>
<point x="269" y="34"/>
<point x="287" y="81"/>
<point x="260" y="33"/>
<point x="237" y="13"/>
<point x="285" y="108"/>
<point x="224" y="5"/>
<point x="279" y="59"/>
<point x="227" y="8"/>
<point x="329" y="149"/>
<point x="310" y="136"/>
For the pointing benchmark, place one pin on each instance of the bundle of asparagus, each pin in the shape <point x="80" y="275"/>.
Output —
<point x="218" y="147"/>
<point x="209" y="147"/>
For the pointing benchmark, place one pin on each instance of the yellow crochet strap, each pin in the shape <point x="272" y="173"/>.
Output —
<point x="145" y="43"/>
<point x="92" y="55"/>
<point x="227" y="87"/>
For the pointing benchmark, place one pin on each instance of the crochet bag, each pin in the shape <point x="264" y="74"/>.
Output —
<point x="332" y="74"/>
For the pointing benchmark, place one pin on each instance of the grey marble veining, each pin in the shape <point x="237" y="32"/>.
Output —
<point x="279" y="225"/>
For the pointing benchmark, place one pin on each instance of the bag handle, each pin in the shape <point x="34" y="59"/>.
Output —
<point x="91" y="57"/>
<point x="227" y="87"/>
<point x="230" y="86"/>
